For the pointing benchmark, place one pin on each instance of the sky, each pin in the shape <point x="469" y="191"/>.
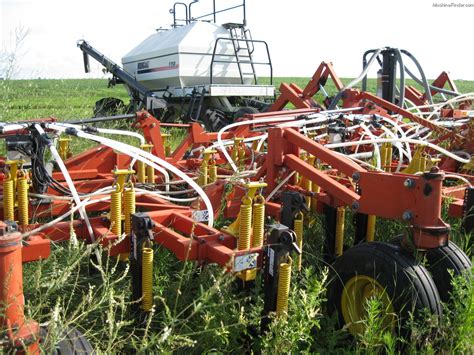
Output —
<point x="300" y="33"/>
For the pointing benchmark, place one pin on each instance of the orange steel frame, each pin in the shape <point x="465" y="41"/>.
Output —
<point x="303" y="98"/>
<point x="413" y="199"/>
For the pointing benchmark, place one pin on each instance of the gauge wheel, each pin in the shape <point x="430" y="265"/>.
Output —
<point x="380" y="270"/>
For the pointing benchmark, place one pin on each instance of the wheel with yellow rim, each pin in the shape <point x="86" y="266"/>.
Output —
<point x="382" y="271"/>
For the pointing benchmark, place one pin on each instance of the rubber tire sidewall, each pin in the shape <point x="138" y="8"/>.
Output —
<point x="408" y="284"/>
<point x="73" y="343"/>
<point x="440" y="261"/>
<point x="243" y="110"/>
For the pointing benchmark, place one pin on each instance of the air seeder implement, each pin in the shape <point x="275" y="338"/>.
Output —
<point x="395" y="155"/>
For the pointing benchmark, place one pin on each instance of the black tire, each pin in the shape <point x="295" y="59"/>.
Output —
<point x="109" y="106"/>
<point x="407" y="284"/>
<point x="215" y="119"/>
<point x="441" y="261"/>
<point x="73" y="343"/>
<point x="244" y="110"/>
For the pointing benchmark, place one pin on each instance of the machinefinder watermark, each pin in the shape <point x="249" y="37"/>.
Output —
<point x="453" y="4"/>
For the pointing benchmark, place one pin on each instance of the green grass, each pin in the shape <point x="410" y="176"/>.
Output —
<point x="198" y="310"/>
<point x="64" y="99"/>
<point x="68" y="99"/>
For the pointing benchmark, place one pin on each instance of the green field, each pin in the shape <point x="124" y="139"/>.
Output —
<point x="200" y="309"/>
<point x="67" y="99"/>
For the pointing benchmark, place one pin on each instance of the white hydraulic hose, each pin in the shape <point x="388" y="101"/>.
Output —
<point x="227" y="142"/>
<point x="10" y="127"/>
<point x="70" y="183"/>
<point x="108" y="131"/>
<point x="453" y="100"/>
<point x="86" y="202"/>
<point x="401" y="152"/>
<point x="298" y="123"/>
<point x="116" y="132"/>
<point x="148" y="159"/>
<point x="363" y="155"/>
<point x="123" y="133"/>
<point x="77" y="207"/>
<point x="165" y="197"/>
<point x="278" y="187"/>
<point x="461" y="152"/>
<point x="262" y="142"/>
<point x="361" y="162"/>
<point x="402" y="133"/>
<point x="50" y="197"/>
<point x="411" y="141"/>
<point x="238" y="124"/>
<point x="134" y="156"/>
<point x="462" y="178"/>
<point x="376" y="146"/>
<point x="413" y="106"/>
<point x="102" y="191"/>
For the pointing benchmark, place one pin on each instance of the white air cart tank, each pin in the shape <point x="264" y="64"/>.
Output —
<point x="184" y="58"/>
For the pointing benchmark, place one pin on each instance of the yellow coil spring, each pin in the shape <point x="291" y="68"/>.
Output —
<point x="314" y="199"/>
<point x="8" y="200"/>
<point x="167" y="147"/>
<point x="203" y="174"/>
<point x="147" y="279"/>
<point x="245" y="225"/>
<point x="284" y="281"/>
<point x="422" y="166"/>
<point x="258" y="221"/>
<point x="150" y="174"/>
<point x="141" y="172"/>
<point x="370" y="235"/>
<point x="128" y="208"/>
<point x="64" y="149"/>
<point x="242" y="155"/>
<point x="212" y="171"/>
<point x="22" y="196"/>
<point x="386" y="156"/>
<point x="341" y="214"/>
<point x="308" y="186"/>
<point x="383" y="155"/>
<point x="254" y="145"/>
<point x="116" y="212"/>
<point x="298" y="228"/>
<point x="388" y="159"/>
<point x="235" y="152"/>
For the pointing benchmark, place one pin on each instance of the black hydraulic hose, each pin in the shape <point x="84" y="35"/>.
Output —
<point x="355" y="81"/>
<point x="364" y="63"/>
<point x="402" y="70"/>
<point x="102" y="119"/>
<point x="434" y="88"/>
<point x="401" y="98"/>
<point x="425" y="83"/>
<point x="402" y="73"/>
<point x="441" y="90"/>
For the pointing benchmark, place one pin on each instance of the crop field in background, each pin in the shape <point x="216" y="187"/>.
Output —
<point x="200" y="309"/>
